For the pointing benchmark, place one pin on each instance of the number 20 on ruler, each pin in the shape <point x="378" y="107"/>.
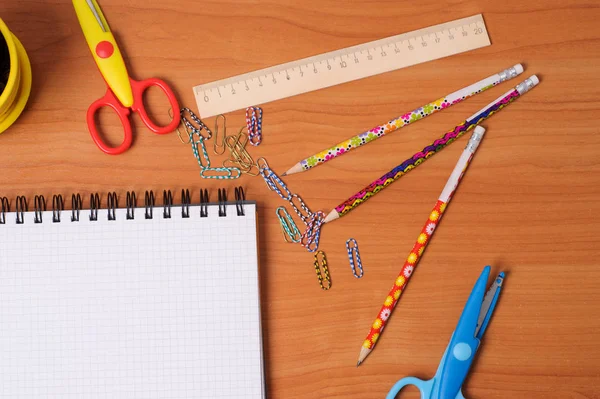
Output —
<point x="341" y="66"/>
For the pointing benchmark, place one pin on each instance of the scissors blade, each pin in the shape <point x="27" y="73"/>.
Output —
<point x="488" y="305"/>
<point x="97" y="14"/>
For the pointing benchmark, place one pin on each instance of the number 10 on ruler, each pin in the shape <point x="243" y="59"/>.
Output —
<point x="340" y="66"/>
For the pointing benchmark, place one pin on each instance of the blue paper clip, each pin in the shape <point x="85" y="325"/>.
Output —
<point x="352" y="248"/>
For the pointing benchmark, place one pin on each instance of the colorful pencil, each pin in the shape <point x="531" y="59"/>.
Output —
<point x="422" y="240"/>
<point x="363" y="195"/>
<point x="403" y="120"/>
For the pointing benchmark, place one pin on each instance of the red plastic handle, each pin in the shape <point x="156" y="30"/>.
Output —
<point x="138" y="88"/>
<point x="109" y="100"/>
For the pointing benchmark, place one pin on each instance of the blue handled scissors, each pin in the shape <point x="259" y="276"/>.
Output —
<point x="458" y="357"/>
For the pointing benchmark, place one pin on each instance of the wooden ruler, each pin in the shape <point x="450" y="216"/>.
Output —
<point x="340" y="66"/>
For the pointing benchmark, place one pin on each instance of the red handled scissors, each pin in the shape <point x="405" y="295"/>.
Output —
<point x="123" y="94"/>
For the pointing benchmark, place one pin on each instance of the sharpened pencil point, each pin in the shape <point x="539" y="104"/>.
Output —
<point x="357" y="364"/>
<point x="284" y="174"/>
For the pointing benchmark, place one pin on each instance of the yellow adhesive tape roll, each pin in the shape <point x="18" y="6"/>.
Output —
<point x="18" y="86"/>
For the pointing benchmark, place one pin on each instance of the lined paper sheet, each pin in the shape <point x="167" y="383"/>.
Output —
<point x="161" y="308"/>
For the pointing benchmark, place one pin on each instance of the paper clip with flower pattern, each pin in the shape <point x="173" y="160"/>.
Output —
<point x="254" y="123"/>
<point x="290" y="231"/>
<point x="322" y="270"/>
<point x="354" y="257"/>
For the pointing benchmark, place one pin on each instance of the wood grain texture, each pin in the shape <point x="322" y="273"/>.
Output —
<point x="527" y="205"/>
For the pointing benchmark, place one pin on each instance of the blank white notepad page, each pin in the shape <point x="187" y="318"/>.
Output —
<point x="131" y="309"/>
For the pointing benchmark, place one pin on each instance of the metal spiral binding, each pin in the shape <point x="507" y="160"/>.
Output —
<point x="76" y="205"/>
<point x="131" y="205"/>
<point x="58" y="205"/>
<point x="149" y="204"/>
<point x="222" y="202"/>
<point x="167" y="203"/>
<point x="240" y="197"/>
<point x="113" y="204"/>
<point x="185" y="203"/>
<point x="204" y="203"/>
<point x="21" y="208"/>
<point x="94" y="206"/>
<point x="5" y="208"/>
<point x="39" y="206"/>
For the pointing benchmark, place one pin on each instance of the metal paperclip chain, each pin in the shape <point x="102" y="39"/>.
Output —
<point x="352" y="248"/>
<point x="206" y="171"/>
<point x="254" y="123"/>
<point x="313" y="221"/>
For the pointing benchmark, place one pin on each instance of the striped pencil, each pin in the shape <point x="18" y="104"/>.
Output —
<point x="363" y="195"/>
<point x="403" y="120"/>
<point x="422" y="240"/>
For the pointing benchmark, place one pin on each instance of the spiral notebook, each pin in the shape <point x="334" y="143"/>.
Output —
<point x="155" y="301"/>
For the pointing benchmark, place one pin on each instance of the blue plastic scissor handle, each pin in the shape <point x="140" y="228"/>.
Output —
<point x="426" y="388"/>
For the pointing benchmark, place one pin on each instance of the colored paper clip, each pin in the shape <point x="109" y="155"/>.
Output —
<point x="219" y="148"/>
<point x="352" y="248"/>
<point x="220" y="173"/>
<point x="312" y="234"/>
<point x="290" y="231"/>
<point x="254" y="124"/>
<point x="189" y="126"/>
<point x="322" y="270"/>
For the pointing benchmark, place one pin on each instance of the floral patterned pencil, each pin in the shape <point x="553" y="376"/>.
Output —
<point x="376" y="186"/>
<point x="403" y="120"/>
<point x="422" y="240"/>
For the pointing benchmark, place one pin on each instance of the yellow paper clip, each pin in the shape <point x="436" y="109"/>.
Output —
<point x="322" y="270"/>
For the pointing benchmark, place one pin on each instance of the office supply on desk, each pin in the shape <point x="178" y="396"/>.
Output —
<point x="464" y="344"/>
<point x="322" y="270"/>
<point x="15" y="77"/>
<point x="291" y="233"/>
<point x="239" y="156"/>
<point x="376" y="186"/>
<point x="341" y="66"/>
<point x="254" y="123"/>
<point x="154" y="301"/>
<point x="354" y="257"/>
<point x="123" y="94"/>
<point x="198" y="142"/>
<point x="313" y="220"/>
<point x="422" y="241"/>
<point x="404" y="120"/>
<point x="219" y="148"/>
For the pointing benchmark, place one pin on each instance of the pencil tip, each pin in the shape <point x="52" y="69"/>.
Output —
<point x="284" y="174"/>
<point x="358" y="363"/>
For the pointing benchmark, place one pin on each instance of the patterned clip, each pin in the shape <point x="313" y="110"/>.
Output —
<point x="200" y="143"/>
<point x="352" y="248"/>
<point x="254" y="124"/>
<point x="189" y="126"/>
<point x="312" y="234"/>
<point x="303" y="216"/>
<point x="275" y="183"/>
<point x="322" y="270"/>
<point x="220" y="173"/>
<point x="291" y="233"/>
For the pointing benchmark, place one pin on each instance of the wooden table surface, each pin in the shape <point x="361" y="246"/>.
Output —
<point x="528" y="204"/>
